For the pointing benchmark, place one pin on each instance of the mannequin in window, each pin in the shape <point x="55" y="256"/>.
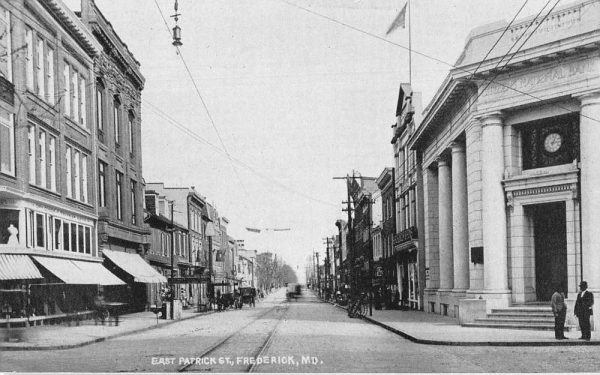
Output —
<point x="13" y="240"/>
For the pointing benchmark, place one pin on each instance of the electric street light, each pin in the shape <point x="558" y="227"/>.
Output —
<point x="210" y="232"/>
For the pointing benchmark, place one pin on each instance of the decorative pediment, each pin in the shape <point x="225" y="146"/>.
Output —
<point x="545" y="184"/>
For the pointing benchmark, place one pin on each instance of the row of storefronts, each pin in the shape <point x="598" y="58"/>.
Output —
<point x="77" y="219"/>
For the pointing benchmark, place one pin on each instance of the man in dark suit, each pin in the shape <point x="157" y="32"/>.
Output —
<point x="560" y="312"/>
<point x="583" y="310"/>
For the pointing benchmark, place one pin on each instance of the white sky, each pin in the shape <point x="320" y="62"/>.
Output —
<point x="296" y="97"/>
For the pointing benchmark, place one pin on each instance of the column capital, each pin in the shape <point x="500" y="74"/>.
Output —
<point x="457" y="147"/>
<point x="490" y="118"/>
<point x="590" y="98"/>
<point x="442" y="161"/>
<point x="474" y="123"/>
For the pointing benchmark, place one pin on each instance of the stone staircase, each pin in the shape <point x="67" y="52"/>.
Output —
<point x="528" y="316"/>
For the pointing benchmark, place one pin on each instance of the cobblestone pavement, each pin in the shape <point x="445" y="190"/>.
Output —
<point x="300" y="336"/>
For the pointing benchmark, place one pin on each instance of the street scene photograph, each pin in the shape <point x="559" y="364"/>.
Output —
<point x="299" y="186"/>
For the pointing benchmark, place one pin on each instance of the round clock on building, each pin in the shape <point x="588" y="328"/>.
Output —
<point x="552" y="142"/>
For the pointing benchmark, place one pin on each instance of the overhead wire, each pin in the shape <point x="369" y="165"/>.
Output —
<point x="345" y="25"/>
<point x="429" y="57"/>
<point x="378" y="38"/>
<point x="173" y="121"/>
<point x="472" y="101"/>
<point x="199" y="138"/>
<point x="512" y="55"/>
<point x="212" y="122"/>
<point x="500" y="37"/>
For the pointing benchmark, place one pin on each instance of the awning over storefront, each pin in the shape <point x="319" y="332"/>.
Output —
<point x="18" y="267"/>
<point x="134" y="265"/>
<point x="78" y="272"/>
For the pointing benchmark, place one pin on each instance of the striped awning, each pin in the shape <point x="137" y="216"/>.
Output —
<point x="79" y="272"/>
<point x="18" y="267"/>
<point x="134" y="265"/>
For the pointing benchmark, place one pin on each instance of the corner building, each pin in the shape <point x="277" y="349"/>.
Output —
<point x="510" y="170"/>
<point x="48" y="215"/>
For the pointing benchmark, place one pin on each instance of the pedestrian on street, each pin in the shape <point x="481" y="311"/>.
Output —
<point x="583" y="310"/>
<point x="559" y="309"/>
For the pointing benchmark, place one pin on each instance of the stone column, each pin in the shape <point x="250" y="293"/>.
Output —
<point x="494" y="210"/>
<point x="589" y="129"/>
<point x="460" y="226"/>
<point x="430" y="231"/>
<point x="445" y="223"/>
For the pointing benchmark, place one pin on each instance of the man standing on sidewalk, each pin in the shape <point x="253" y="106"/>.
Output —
<point x="559" y="309"/>
<point x="583" y="310"/>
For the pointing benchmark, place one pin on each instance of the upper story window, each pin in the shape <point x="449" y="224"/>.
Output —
<point x="119" y="195"/>
<point x="41" y="157"/>
<point x="102" y="167"/>
<point x="5" y="45"/>
<point x="74" y="99"/>
<point x="39" y="68"/>
<point x="117" y="121"/>
<point x="7" y="143"/>
<point x="76" y="174"/>
<point x="100" y="109"/>
<point x="131" y="132"/>
<point x="133" y="187"/>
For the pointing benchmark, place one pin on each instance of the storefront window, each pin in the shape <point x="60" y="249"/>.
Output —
<point x="73" y="237"/>
<point x="40" y="230"/>
<point x="88" y="240"/>
<point x="67" y="236"/>
<point x="9" y="227"/>
<point x="58" y="239"/>
<point x="81" y="239"/>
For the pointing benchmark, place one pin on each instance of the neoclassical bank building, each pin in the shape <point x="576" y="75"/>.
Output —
<point x="509" y="151"/>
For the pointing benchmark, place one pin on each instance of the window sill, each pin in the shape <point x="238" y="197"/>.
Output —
<point x="73" y="200"/>
<point x="8" y="175"/>
<point x="42" y="102"/>
<point x="75" y="125"/>
<point x="44" y="190"/>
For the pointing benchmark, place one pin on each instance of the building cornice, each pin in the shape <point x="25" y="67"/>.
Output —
<point x="72" y="25"/>
<point x="114" y="47"/>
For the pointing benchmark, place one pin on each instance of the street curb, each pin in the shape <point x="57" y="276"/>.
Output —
<point x="99" y="339"/>
<point x="473" y="343"/>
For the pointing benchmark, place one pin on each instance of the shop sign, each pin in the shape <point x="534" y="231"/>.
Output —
<point x="187" y="280"/>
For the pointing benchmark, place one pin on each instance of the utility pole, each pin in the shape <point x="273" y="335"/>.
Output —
<point x="326" y="267"/>
<point x="318" y="274"/>
<point x="350" y="236"/>
<point x="340" y="269"/>
<point x="173" y="289"/>
<point x="314" y="275"/>
<point x="329" y="282"/>
<point x="370" y="202"/>
<point x="172" y="245"/>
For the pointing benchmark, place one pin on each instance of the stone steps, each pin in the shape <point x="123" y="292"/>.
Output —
<point x="533" y="317"/>
<point x="544" y="327"/>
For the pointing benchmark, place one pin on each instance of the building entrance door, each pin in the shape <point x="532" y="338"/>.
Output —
<point x="550" y="240"/>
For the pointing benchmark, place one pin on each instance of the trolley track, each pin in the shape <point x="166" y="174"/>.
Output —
<point x="247" y="343"/>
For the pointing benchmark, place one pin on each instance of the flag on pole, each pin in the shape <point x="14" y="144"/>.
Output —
<point x="400" y="20"/>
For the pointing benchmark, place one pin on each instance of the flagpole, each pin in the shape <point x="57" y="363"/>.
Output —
<point x="409" y="45"/>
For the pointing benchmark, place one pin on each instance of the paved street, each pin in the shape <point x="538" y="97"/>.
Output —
<point x="300" y="336"/>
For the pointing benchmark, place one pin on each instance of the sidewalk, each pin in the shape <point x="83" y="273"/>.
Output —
<point x="433" y="329"/>
<point x="64" y="337"/>
<point x="52" y="337"/>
